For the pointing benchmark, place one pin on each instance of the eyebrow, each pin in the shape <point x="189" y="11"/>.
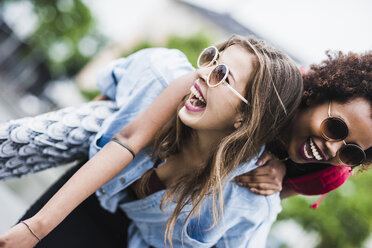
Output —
<point x="230" y="72"/>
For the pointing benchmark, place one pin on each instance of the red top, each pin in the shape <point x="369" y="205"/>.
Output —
<point x="154" y="184"/>
<point x="319" y="182"/>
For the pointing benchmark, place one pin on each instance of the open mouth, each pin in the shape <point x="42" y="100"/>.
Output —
<point x="311" y="152"/>
<point x="196" y="101"/>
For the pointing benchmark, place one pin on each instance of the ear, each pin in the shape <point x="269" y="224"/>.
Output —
<point x="238" y="121"/>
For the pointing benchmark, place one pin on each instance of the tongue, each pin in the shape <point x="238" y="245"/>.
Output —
<point x="198" y="103"/>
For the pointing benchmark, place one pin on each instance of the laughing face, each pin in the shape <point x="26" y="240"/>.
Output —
<point x="307" y="143"/>
<point x="216" y="109"/>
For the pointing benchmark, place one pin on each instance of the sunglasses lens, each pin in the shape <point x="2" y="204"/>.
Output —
<point x="207" y="56"/>
<point x="334" y="129"/>
<point x="218" y="74"/>
<point x="351" y="155"/>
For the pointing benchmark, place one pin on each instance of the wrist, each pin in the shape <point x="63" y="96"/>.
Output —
<point x="31" y="231"/>
<point x="38" y="226"/>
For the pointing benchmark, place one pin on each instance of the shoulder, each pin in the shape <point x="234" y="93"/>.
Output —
<point x="242" y="204"/>
<point x="158" y="58"/>
<point x="168" y="64"/>
<point x="160" y="65"/>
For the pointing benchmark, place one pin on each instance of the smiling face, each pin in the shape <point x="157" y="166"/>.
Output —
<point x="307" y="143"/>
<point x="216" y="109"/>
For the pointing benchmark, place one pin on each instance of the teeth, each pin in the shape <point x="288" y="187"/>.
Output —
<point x="315" y="151"/>
<point x="306" y="153"/>
<point x="196" y="93"/>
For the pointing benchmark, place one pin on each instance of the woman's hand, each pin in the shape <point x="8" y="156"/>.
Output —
<point x="266" y="179"/>
<point x="18" y="237"/>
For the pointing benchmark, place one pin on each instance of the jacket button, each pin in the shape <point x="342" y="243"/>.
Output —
<point x="102" y="191"/>
<point x="122" y="180"/>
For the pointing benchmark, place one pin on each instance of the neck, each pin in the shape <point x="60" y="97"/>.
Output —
<point x="201" y="145"/>
<point x="194" y="156"/>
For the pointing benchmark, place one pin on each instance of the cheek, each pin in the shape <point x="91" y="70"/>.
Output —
<point x="299" y="133"/>
<point x="303" y="126"/>
<point x="224" y="112"/>
<point x="183" y="116"/>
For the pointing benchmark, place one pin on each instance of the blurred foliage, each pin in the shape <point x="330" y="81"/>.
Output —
<point x="343" y="219"/>
<point x="89" y="94"/>
<point x="191" y="46"/>
<point x="65" y="34"/>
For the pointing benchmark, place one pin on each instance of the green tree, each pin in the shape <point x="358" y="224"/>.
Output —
<point x="65" y="34"/>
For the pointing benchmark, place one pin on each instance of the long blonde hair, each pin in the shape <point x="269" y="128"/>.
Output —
<point x="273" y="94"/>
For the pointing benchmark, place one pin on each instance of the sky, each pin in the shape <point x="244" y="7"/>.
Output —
<point x="303" y="27"/>
<point x="306" y="28"/>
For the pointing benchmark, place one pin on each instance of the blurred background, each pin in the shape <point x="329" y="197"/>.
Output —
<point x="50" y="52"/>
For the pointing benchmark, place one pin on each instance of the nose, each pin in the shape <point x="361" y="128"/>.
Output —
<point x="333" y="147"/>
<point x="203" y="73"/>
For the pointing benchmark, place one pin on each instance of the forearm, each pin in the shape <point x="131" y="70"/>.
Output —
<point x="96" y="172"/>
<point x="141" y="131"/>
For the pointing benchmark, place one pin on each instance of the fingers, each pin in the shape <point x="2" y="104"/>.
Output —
<point x="269" y="170"/>
<point x="276" y="186"/>
<point x="264" y="158"/>
<point x="262" y="188"/>
<point x="264" y="180"/>
<point x="247" y="179"/>
<point x="262" y="192"/>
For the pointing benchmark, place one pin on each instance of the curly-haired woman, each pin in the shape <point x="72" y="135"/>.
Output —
<point x="341" y="88"/>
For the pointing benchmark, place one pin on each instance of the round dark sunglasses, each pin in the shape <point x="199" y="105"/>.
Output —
<point x="335" y="129"/>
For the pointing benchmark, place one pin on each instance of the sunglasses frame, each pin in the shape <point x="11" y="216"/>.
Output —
<point x="330" y="117"/>
<point x="355" y="146"/>
<point x="223" y="80"/>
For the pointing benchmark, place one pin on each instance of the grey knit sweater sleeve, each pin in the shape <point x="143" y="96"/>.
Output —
<point x="56" y="138"/>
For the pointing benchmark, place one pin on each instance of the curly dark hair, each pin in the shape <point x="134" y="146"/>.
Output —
<point x="342" y="78"/>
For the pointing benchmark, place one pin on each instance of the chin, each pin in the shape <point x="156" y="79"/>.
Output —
<point x="296" y="158"/>
<point x="186" y="119"/>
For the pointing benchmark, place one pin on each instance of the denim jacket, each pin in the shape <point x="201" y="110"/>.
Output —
<point x="134" y="82"/>
<point x="246" y="220"/>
